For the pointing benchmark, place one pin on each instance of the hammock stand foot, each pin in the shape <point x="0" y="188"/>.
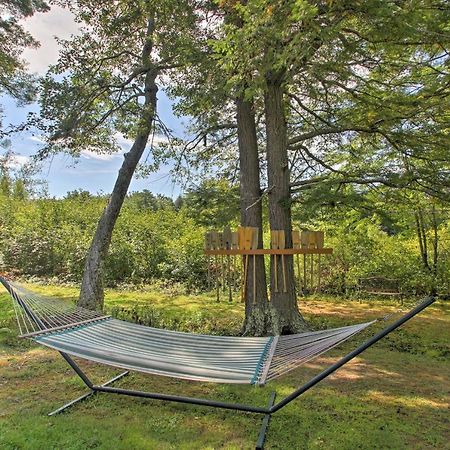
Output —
<point x="265" y="424"/>
<point x="87" y="395"/>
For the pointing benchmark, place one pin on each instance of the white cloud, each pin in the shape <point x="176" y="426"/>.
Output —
<point x="37" y="139"/>
<point x="17" y="161"/>
<point x="82" y="172"/>
<point x="44" y="27"/>
<point x="88" y="154"/>
<point x="126" y="143"/>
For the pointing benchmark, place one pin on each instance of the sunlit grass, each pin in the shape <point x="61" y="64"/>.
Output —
<point x="394" y="396"/>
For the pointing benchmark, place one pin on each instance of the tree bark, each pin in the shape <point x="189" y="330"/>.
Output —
<point x="422" y="237"/>
<point x="435" y="241"/>
<point x="257" y="319"/>
<point x="435" y="250"/>
<point x="286" y="318"/>
<point x="92" y="293"/>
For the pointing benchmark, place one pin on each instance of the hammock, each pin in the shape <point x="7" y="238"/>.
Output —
<point x="222" y="359"/>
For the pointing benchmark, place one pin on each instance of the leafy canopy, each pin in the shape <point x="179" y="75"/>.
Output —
<point x="14" y="79"/>
<point x="365" y="83"/>
<point x="95" y="93"/>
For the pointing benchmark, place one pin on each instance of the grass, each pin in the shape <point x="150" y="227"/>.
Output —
<point x="394" y="396"/>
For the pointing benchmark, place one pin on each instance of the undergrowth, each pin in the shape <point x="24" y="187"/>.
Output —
<point x="193" y="322"/>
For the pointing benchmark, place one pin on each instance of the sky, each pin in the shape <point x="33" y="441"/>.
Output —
<point x="92" y="172"/>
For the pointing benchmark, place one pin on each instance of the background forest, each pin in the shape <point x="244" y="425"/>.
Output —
<point x="160" y="241"/>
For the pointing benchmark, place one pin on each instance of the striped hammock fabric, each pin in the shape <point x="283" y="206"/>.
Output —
<point x="220" y="359"/>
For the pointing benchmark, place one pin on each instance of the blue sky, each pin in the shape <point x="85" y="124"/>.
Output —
<point x="92" y="172"/>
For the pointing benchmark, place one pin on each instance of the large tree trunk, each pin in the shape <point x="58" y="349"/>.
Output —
<point x="92" y="294"/>
<point x="257" y="319"/>
<point x="286" y="317"/>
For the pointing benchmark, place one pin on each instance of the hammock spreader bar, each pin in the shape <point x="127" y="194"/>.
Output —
<point x="35" y="334"/>
<point x="267" y="411"/>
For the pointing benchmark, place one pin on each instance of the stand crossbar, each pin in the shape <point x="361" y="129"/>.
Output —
<point x="270" y="251"/>
<point x="87" y="395"/>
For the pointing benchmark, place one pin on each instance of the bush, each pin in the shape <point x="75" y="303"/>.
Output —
<point x="50" y="238"/>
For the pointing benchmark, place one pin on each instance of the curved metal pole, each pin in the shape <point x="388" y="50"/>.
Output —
<point x="428" y="301"/>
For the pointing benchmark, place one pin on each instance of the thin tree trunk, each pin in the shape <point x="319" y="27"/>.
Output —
<point x="92" y="294"/>
<point x="435" y="241"/>
<point x="435" y="251"/>
<point x="422" y="236"/>
<point x="256" y="301"/>
<point x="286" y="317"/>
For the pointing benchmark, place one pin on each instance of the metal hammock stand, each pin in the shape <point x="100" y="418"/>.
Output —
<point x="66" y="328"/>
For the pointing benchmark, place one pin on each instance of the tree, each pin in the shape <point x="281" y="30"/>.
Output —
<point x="222" y="116"/>
<point x="78" y="194"/>
<point x="349" y="90"/>
<point x="146" y="200"/>
<point x="107" y="85"/>
<point x="14" y="79"/>
<point x="259" y="315"/>
<point x="258" y="320"/>
<point x="19" y="180"/>
<point x="213" y="204"/>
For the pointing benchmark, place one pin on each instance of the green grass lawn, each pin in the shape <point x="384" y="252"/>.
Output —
<point x="394" y="396"/>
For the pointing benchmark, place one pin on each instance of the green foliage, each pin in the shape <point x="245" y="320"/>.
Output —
<point x="99" y="88"/>
<point x="18" y="180"/>
<point x="365" y="84"/>
<point x="156" y="242"/>
<point x="375" y="236"/>
<point x="14" y="79"/>
<point x="146" y="200"/>
<point x="213" y="204"/>
<point x="50" y="238"/>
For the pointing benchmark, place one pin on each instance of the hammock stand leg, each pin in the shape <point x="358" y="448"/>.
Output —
<point x="265" y="424"/>
<point x="364" y="346"/>
<point x="86" y="381"/>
